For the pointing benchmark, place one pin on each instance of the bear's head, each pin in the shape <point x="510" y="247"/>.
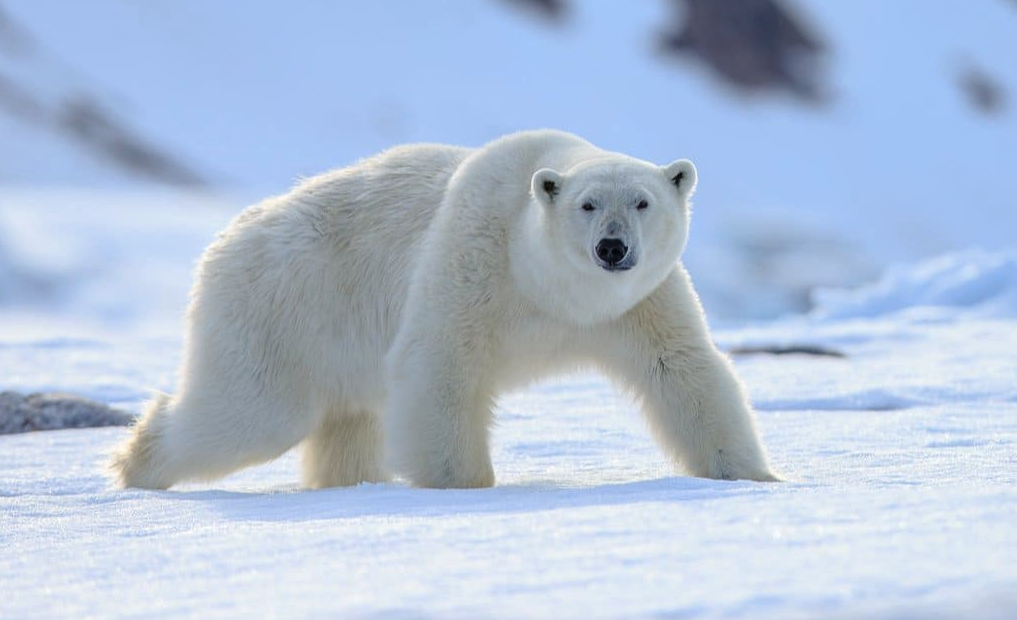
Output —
<point x="618" y="226"/>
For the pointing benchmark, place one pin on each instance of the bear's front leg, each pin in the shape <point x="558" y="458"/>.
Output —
<point x="438" y="415"/>
<point x="694" y="403"/>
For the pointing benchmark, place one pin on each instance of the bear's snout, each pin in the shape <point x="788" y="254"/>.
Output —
<point x="611" y="253"/>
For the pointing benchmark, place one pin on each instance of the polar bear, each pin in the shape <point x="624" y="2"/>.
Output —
<point x="380" y="309"/>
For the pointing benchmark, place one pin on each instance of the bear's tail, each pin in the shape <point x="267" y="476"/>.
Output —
<point x="140" y="461"/>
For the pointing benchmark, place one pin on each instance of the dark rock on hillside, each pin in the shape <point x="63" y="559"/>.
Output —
<point x="754" y="45"/>
<point x="549" y="10"/>
<point x="76" y="112"/>
<point x="983" y="92"/>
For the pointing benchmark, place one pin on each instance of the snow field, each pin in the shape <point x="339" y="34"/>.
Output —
<point x="901" y="496"/>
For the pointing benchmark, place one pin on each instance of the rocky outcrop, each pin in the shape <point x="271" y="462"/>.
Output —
<point x="55" y="410"/>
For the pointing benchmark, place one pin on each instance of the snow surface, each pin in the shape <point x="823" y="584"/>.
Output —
<point x="900" y="459"/>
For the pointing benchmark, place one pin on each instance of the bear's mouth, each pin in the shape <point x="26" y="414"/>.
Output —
<point x="623" y="265"/>
<point x="616" y="266"/>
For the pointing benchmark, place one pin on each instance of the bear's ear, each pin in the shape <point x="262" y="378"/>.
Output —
<point x="682" y="173"/>
<point x="546" y="185"/>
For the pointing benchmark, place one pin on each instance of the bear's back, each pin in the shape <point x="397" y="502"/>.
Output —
<point x="393" y="193"/>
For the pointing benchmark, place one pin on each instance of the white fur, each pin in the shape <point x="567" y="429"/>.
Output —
<point x="389" y="303"/>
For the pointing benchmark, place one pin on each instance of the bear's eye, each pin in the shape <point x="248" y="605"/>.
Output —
<point x="642" y="205"/>
<point x="587" y="206"/>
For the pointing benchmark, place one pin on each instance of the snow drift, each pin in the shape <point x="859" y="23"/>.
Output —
<point x="976" y="282"/>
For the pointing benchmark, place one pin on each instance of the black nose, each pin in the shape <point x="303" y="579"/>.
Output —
<point x="611" y="251"/>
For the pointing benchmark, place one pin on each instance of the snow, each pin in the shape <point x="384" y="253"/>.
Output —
<point x="900" y="499"/>
<point x="907" y="511"/>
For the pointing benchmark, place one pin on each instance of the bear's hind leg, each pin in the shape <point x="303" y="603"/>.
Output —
<point x="343" y="451"/>
<point x="203" y="439"/>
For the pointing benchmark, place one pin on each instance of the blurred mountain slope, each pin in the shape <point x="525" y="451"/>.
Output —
<point x="898" y="163"/>
<point x="42" y="102"/>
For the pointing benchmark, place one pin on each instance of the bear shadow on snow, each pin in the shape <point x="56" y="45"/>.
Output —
<point x="389" y="499"/>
